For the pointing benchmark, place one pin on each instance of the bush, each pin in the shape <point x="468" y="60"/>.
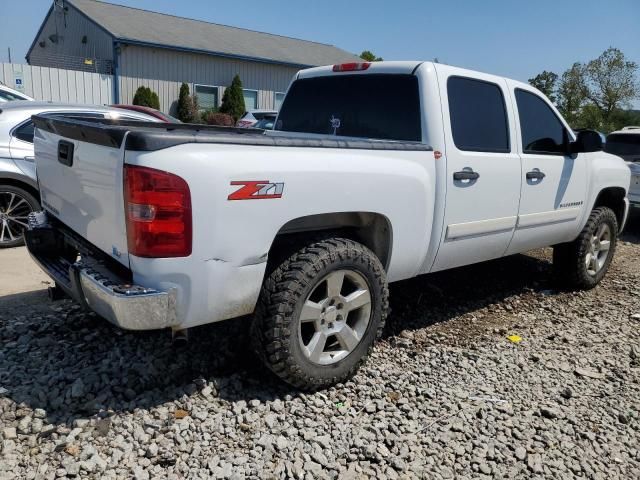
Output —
<point x="187" y="106"/>
<point x="233" y="99"/>
<point x="220" y="119"/>
<point x="147" y="98"/>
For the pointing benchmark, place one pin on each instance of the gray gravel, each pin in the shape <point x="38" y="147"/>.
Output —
<point x="445" y="395"/>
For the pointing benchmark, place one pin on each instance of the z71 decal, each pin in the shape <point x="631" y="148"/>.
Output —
<point x="257" y="190"/>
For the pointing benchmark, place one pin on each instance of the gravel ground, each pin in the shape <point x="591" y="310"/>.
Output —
<point x="445" y="395"/>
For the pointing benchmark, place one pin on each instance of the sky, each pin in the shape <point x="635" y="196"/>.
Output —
<point x="512" y="38"/>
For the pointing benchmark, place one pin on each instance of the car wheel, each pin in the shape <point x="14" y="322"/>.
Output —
<point x="583" y="263"/>
<point x="15" y="206"/>
<point x="320" y="312"/>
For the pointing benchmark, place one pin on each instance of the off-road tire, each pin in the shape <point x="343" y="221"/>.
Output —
<point x="33" y="204"/>
<point x="569" y="258"/>
<point x="274" y="331"/>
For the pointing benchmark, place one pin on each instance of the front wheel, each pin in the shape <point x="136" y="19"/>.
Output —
<point x="583" y="263"/>
<point x="15" y="206"/>
<point x="320" y="312"/>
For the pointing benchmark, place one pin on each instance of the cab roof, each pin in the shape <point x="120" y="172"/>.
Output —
<point x="406" y="68"/>
<point x="394" y="67"/>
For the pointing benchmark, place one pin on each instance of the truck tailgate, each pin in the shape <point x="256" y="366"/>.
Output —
<point x="81" y="184"/>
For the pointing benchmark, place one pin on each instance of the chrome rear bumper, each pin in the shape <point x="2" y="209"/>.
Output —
<point x="128" y="306"/>
<point x="95" y="287"/>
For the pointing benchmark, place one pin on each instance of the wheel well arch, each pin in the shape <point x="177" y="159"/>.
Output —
<point x="612" y="197"/>
<point x="20" y="184"/>
<point x="373" y="230"/>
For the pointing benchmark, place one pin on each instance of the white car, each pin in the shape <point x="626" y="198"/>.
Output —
<point x="9" y="94"/>
<point x="304" y="227"/>
<point x="626" y="144"/>
<point x="252" y="117"/>
<point x="19" y="194"/>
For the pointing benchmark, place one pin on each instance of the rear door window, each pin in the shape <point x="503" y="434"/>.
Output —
<point x="478" y="115"/>
<point x="377" y="106"/>
<point x="25" y="132"/>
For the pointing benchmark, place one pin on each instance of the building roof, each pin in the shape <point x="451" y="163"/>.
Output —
<point x="132" y="25"/>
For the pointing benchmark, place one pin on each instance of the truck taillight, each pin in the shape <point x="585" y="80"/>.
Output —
<point x="351" y="67"/>
<point x="158" y="213"/>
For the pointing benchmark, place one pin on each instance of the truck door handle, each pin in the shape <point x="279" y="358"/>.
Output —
<point x="466" y="175"/>
<point x="535" y="175"/>
<point x="65" y="153"/>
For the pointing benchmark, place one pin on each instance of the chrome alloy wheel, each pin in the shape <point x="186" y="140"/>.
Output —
<point x="14" y="210"/>
<point x="334" y="317"/>
<point x="599" y="248"/>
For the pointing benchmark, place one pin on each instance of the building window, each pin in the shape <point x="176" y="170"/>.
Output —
<point x="279" y="98"/>
<point x="207" y="97"/>
<point x="250" y="99"/>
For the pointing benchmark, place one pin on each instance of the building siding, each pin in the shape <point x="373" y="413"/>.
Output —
<point x="56" y="85"/>
<point x="69" y="52"/>
<point x="164" y="70"/>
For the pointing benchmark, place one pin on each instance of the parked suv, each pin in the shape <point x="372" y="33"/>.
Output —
<point x="626" y="144"/>
<point x="18" y="187"/>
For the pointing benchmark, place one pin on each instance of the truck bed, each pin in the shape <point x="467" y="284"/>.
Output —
<point x="150" y="136"/>
<point x="81" y="165"/>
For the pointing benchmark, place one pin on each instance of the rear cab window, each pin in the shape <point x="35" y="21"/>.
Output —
<point x="374" y="106"/>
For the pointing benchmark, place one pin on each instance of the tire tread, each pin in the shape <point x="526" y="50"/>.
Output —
<point x="280" y="293"/>
<point x="568" y="258"/>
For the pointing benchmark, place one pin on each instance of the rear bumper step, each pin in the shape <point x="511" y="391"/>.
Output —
<point x="128" y="306"/>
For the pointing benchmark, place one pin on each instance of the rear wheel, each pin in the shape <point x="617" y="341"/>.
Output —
<point x="15" y="206"/>
<point x="584" y="262"/>
<point x="320" y="312"/>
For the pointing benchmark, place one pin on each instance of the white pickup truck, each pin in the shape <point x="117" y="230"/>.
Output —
<point x="375" y="173"/>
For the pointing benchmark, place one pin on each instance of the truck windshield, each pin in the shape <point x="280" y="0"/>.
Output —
<point x="377" y="106"/>
<point x="623" y="144"/>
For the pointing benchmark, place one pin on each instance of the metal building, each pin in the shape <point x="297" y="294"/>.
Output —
<point x="139" y="47"/>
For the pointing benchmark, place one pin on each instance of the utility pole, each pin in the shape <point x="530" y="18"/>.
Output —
<point x="9" y="50"/>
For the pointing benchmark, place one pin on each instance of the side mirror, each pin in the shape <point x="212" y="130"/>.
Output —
<point x="587" y="141"/>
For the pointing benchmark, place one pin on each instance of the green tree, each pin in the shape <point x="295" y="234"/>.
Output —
<point x="546" y="83"/>
<point x="623" y="118"/>
<point x="590" y="117"/>
<point x="233" y="99"/>
<point x="611" y="82"/>
<point x="187" y="111"/>
<point x="185" y="104"/>
<point x="146" y="97"/>
<point x="572" y="94"/>
<point x="370" y="56"/>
